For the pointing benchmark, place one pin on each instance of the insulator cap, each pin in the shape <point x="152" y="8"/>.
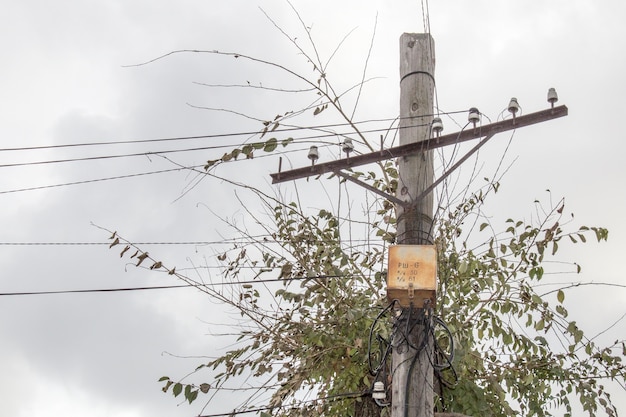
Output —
<point x="437" y="125"/>
<point x="313" y="153"/>
<point x="474" y="115"/>
<point x="378" y="393"/>
<point x="513" y="106"/>
<point x="552" y="96"/>
<point x="347" y="146"/>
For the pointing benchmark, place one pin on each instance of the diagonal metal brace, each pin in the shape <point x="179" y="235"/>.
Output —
<point x="381" y="193"/>
<point x="453" y="168"/>
<point x="430" y="188"/>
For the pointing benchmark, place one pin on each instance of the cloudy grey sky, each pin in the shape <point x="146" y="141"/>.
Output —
<point x="65" y="79"/>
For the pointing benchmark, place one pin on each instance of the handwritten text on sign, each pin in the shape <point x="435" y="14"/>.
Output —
<point x="407" y="271"/>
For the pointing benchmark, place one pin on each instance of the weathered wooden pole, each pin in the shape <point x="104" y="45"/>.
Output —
<point x="412" y="381"/>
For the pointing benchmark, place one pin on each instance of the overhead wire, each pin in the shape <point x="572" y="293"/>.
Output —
<point x="168" y="151"/>
<point x="66" y="184"/>
<point x="194" y="243"/>
<point x="335" y="397"/>
<point x="204" y="136"/>
<point x="182" y="138"/>
<point x="95" y="290"/>
<point x="118" y="177"/>
<point x="163" y="287"/>
<point x="193" y="149"/>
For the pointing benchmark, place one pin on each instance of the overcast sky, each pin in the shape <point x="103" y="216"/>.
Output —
<point x="65" y="79"/>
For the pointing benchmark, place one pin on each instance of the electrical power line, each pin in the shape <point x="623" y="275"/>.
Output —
<point x="336" y="397"/>
<point x="182" y="138"/>
<point x="196" y="137"/>
<point x="34" y="188"/>
<point x="195" y="149"/>
<point x="165" y="287"/>
<point x="118" y="177"/>
<point x="198" y="243"/>
<point x="162" y="287"/>
<point x="251" y="241"/>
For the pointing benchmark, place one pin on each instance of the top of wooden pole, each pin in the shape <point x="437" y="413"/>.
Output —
<point x="416" y="172"/>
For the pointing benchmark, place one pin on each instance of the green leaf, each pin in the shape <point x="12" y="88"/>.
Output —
<point x="247" y="150"/>
<point x="191" y="397"/>
<point x="178" y="388"/>
<point x="540" y="325"/>
<point x="270" y="145"/>
<point x="561" y="310"/>
<point x="560" y="295"/>
<point x="483" y="226"/>
<point x="164" y="378"/>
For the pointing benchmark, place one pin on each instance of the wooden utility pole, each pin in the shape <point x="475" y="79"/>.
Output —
<point x="412" y="381"/>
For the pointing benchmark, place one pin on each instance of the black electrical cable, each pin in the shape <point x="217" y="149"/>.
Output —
<point x="207" y="136"/>
<point x="118" y="177"/>
<point x="198" y="285"/>
<point x="162" y="287"/>
<point x="448" y="357"/>
<point x="167" y="151"/>
<point x="374" y="371"/>
<point x="231" y="241"/>
<point x="335" y="397"/>
<point x="147" y="153"/>
<point x="439" y="352"/>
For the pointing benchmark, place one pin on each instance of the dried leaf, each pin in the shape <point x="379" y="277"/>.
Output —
<point x="142" y="257"/>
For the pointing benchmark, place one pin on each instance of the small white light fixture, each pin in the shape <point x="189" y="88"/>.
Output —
<point x="347" y="146"/>
<point x="474" y="116"/>
<point x="313" y="154"/>
<point x="552" y="97"/>
<point x="437" y="126"/>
